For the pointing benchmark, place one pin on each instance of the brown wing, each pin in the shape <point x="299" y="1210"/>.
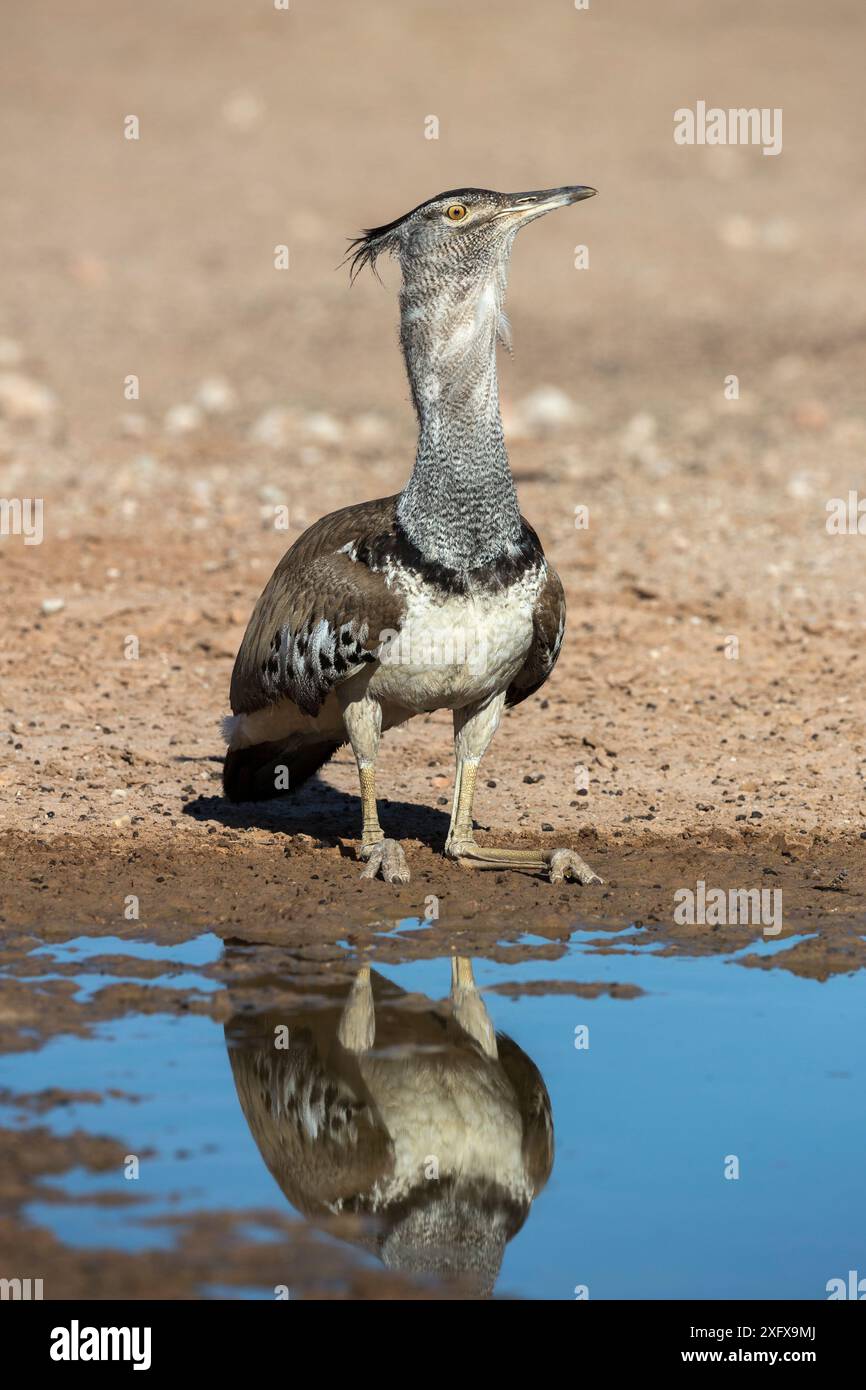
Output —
<point x="321" y="616"/>
<point x="548" y="623"/>
<point x="535" y="1110"/>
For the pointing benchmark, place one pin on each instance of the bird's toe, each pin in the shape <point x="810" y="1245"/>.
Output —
<point x="385" y="859"/>
<point x="566" y="864"/>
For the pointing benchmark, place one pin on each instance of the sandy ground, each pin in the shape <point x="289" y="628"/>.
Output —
<point x="711" y="685"/>
<point x="706" y="719"/>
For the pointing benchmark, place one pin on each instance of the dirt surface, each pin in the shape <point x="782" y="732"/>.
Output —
<point x="260" y="388"/>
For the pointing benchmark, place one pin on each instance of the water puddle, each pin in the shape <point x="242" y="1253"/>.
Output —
<point x="594" y="1115"/>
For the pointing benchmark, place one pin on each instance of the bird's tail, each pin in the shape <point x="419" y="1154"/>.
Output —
<point x="266" y="770"/>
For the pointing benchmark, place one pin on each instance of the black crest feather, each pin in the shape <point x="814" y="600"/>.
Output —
<point x="366" y="248"/>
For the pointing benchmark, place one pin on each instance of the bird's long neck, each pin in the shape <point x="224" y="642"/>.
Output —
<point x="459" y="507"/>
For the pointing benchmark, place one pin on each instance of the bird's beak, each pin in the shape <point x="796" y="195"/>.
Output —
<point x="524" y="207"/>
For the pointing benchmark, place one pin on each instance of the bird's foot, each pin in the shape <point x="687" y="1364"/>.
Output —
<point x="558" y="864"/>
<point x="384" y="858"/>
<point x="567" y="864"/>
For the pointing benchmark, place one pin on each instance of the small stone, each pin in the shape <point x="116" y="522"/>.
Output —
<point x="52" y="605"/>
<point x="546" y="410"/>
<point x="323" y="428"/>
<point x="370" y="428"/>
<point x="272" y="495"/>
<point x="25" y="401"/>
<point x="216" y="396"/>
<point x="738" y="232"/>
<point x="800" y="486"/>
<point x="183" y="419"/>
<point x="274" y="428"/>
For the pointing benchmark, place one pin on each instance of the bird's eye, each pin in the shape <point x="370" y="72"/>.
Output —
<point x="456" y="212"/>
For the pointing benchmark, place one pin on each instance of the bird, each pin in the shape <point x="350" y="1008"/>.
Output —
<point x="427" y="1125"/>
<point x="439" y="597"/>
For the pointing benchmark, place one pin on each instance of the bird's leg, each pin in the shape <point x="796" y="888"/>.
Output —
<point x="474" y="727"/>
<point x="362" y="717"/>
<point x="356" y="1030"/>
<point x="469" y="1008"/>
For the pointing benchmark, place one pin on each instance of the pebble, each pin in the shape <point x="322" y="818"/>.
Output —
<point x="800" y="486"/>
<point x="370" y="428"/>
<point x="216" y="396"/>
<point x="323" y="428"/>
<point x="183" y="419"/>
<point x="53" y="605"/>
<point x="23" y="400"/>
<point x="274" y="428"/>
<point x="545" y="410"/>
<point x="271" y="494"/>
<point x="737" y="231"/>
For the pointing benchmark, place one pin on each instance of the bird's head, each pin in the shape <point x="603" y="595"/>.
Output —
<point x="458" y="235"/>
<point x="453" y="252"/>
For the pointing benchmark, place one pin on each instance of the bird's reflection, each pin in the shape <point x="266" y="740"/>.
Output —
<point x="422" y="1118"/>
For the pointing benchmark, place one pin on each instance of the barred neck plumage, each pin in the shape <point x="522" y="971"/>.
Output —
<point x="459" y="507"/>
